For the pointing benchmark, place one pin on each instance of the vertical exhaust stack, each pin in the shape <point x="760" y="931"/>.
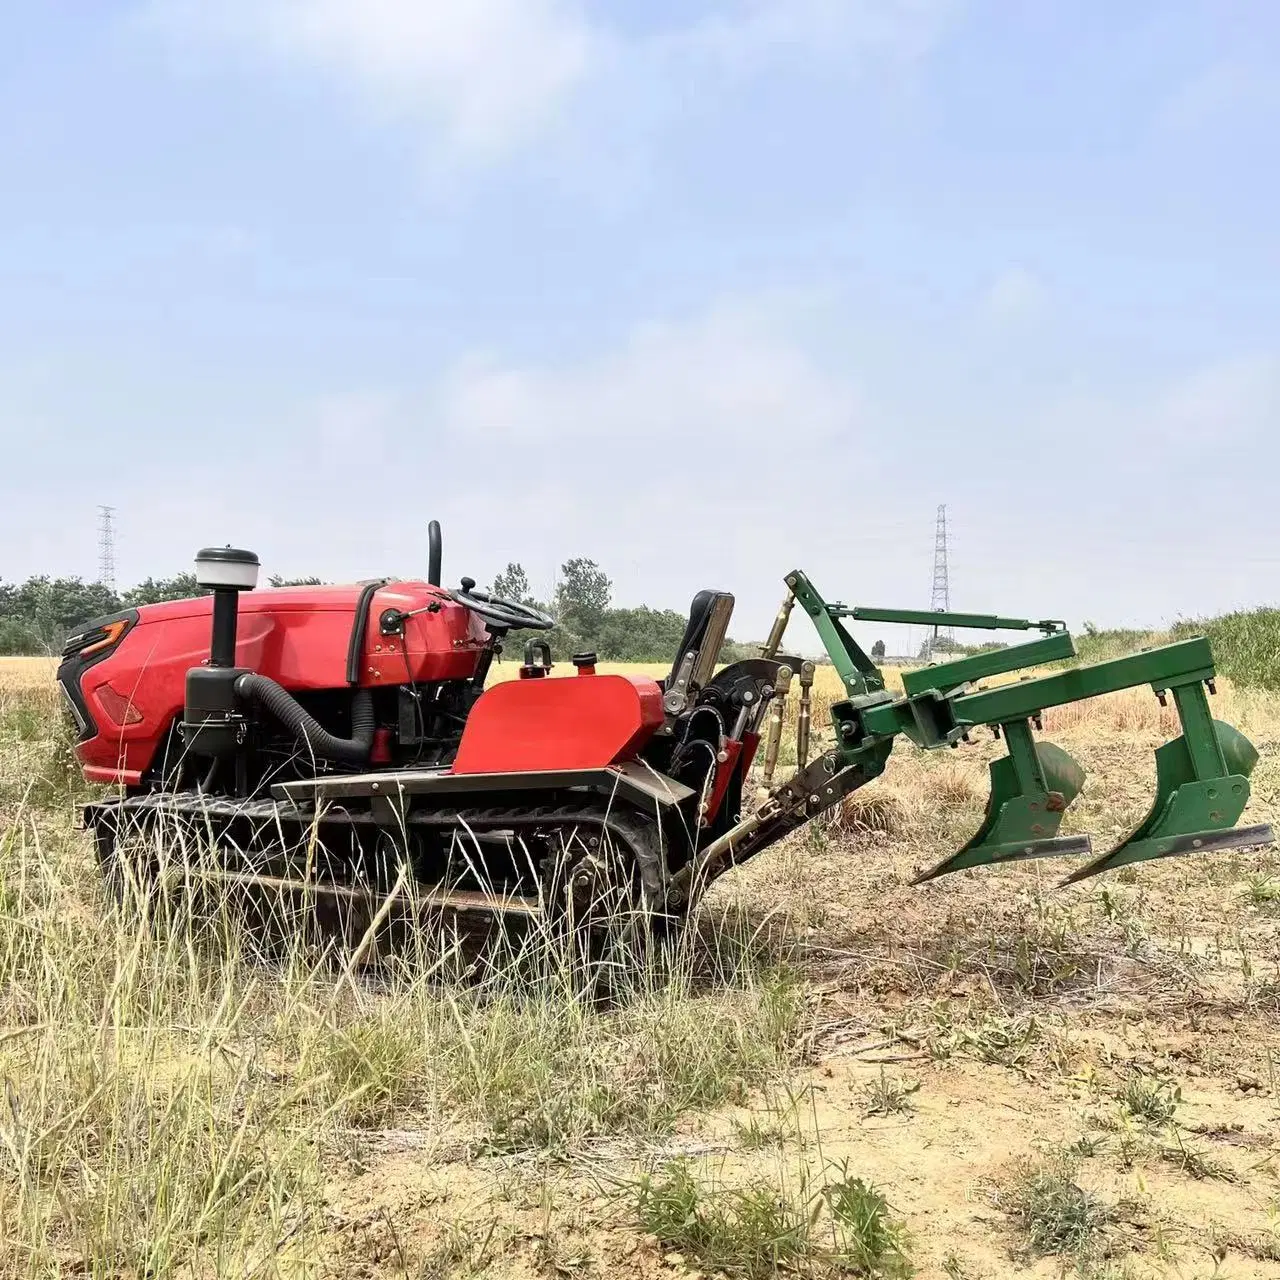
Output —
<point x="228" y="571"/>
<point x="212" y="721"/>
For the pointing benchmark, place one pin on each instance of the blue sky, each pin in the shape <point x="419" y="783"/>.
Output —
<point x="703" y="290"/>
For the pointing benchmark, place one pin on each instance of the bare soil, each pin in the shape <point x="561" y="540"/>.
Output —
<point x="1012" y="1019"/>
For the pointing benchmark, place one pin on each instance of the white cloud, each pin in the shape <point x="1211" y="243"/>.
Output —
<point x="1234" y="401"/>
<point x="1187" y="427"/>
<point x="1223" y="91"/>
<point x="229" y="242"/>
<point x="1015" y="294"/>
<point x="353" y="426"/>
<point x="688" y="455"/>
<point x="719" y="449"/>
<point x="747" y="33"/>
<point x="487" y="76"/>
<point x="729" y="375"/>
<point x="485" y="73"/>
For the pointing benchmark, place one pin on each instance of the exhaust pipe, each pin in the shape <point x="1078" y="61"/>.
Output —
<point x="310" y="734"/>
<point x="228" y="571"/>
<point x="212" y="724"/>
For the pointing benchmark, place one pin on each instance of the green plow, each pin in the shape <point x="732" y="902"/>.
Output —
<point x="1202" y="776"/>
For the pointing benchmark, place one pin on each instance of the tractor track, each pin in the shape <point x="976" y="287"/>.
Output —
<point x="265" y="834"/>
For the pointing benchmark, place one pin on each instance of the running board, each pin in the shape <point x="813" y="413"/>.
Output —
<point x="630" y="779"/>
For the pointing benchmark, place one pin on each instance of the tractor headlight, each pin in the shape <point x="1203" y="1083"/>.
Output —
<point x="95" y="639"/>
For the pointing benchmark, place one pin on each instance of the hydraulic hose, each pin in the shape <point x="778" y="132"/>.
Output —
<point x="306" y="728"/>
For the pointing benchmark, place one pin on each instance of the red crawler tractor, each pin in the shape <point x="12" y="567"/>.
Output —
<point x="350" y="727"/>
<point x="341" y="741"/>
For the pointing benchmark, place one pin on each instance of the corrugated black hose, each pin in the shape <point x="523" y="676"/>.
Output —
<point x="306" y="728"/>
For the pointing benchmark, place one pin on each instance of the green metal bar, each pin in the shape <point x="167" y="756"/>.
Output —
<point x="1031" y="788"/>
<point x="949" y="675"/>
<point x="1198" y="729"/>
<point x="1183" y="663"/>
<point x="1202" y="777"/>
<point x="1022" y="751"/>
<point x="942" y="618"/>
<point x="859" y="674"/>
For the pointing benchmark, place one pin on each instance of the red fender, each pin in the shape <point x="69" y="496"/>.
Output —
<point x="571" y="722"/>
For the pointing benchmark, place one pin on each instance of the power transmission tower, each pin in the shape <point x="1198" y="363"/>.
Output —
<point x="107" y="547"/>
<point x="941" y="596"/>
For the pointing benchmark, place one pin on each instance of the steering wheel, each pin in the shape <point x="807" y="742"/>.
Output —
<point x="508" y="614"/>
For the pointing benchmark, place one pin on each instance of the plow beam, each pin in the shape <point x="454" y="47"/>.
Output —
<point x="1031" y="788"/>
<point x="948" y="676"/>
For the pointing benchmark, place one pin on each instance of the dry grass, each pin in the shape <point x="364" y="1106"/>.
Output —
<point x="826" y="685"/>
<point x="26" y="673"/>
<point x="173" y="1106"/>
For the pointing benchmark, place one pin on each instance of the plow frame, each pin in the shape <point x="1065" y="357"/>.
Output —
<point x="1202" y="776"/>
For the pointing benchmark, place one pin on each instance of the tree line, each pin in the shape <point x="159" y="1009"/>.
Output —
<point x="588" y="622"/>
<point x="38" y="614"/>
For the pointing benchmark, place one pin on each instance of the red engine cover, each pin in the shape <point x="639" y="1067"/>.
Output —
<point x="570" y="722"/>
<point x="299" y="636"/>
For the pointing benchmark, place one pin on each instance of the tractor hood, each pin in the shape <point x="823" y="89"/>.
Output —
<point x="343" y="597"/>
<point x="127" y="686"/>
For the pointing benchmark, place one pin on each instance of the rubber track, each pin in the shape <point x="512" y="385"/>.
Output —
<point x="636" y="832"/>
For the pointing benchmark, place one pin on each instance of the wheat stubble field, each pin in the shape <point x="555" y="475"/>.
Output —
<point x="837" y="1074"/>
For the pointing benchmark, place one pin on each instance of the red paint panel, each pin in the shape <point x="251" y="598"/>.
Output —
<point x="579" y="722"/>
<point x="296" y="635"/>
<point x="724" y="775"/>
<point x="299" y="635"/>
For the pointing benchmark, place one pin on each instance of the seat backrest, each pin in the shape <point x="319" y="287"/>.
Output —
<point x="709" y="616"/>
